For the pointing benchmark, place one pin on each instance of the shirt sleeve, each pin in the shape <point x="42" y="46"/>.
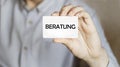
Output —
<point x="112" y="60"/>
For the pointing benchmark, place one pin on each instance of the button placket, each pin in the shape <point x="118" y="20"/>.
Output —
<point x="25" y="48"/>
<point x="29" y="20"/>
<point x="29" y="23"/>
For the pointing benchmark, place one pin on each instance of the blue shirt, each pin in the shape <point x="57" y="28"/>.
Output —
<point x="21" y="42"/>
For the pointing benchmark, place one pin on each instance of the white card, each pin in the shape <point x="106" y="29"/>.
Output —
<point x="60" y="27"/>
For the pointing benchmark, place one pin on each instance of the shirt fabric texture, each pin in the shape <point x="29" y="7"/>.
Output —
<point x="21" y="42"/>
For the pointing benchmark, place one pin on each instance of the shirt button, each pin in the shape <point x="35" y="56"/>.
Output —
<point x="25" y="48"/>
<point x="30" y="22"/>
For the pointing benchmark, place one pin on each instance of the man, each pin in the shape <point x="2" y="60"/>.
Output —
<point x="22" y="45"/>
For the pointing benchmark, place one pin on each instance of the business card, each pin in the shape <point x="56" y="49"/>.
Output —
<point x="60" y="27"/>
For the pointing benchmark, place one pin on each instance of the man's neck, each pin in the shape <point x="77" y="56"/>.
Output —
<point x="33" y="3"/>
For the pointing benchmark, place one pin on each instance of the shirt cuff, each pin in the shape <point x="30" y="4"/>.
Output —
<point x="112" y="63"/>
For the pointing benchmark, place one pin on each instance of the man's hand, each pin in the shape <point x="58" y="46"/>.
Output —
<point x="88" y="45"/>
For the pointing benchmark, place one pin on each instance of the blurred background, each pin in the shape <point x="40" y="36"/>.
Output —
<point x="109" y="14"/>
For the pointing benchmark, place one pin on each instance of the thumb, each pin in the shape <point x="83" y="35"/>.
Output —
<point x="60" y="40"/>
<point x="66" y="42"/>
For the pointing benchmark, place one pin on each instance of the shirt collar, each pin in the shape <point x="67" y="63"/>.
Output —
<point x="39" y="8"/>
<point x="25" y="7"/>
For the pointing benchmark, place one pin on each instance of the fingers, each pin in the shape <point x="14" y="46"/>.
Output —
<point x="61" y="40"/>
<point x="64" y="11"/>
<point x="70" y="10"/>
<point x="75" y="10"/>
<point x="85" y="21"/>
<point x="83" y="26"/>
<point x="87" y="25"/>
<point x="85" y="16"/>
<point x="64" y="41"/>
<point x="55" y="14"/>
